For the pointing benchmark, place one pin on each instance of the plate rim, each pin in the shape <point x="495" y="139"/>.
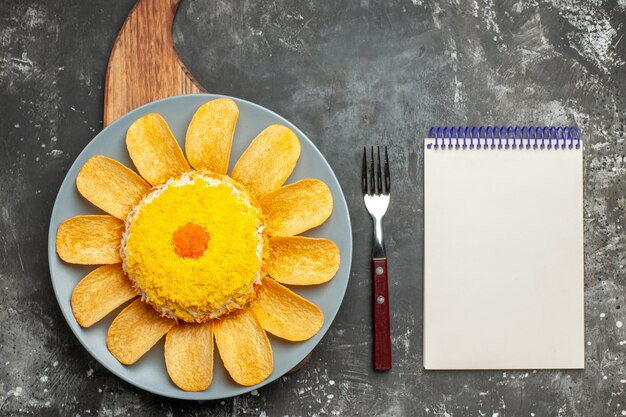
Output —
<point x="180" y="394"/>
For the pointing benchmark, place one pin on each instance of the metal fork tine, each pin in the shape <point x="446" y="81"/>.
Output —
<point x="364" y="173"/>
<point x="372" y="180"/>
<point x="379" y="175"/>
<point x="387" y="176"/>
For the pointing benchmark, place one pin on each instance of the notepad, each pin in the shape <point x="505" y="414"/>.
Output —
<point x="503" y="248"/>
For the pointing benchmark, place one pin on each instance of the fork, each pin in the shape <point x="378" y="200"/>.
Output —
<point x="376" y="197"/>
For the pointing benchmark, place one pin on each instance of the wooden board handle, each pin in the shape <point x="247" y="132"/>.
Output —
<point x="144" y="65"/>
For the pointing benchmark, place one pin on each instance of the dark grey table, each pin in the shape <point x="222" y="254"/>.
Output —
<point x="347" y="74"/>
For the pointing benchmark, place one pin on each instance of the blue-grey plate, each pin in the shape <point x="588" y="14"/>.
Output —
<point x="149" y="372"/>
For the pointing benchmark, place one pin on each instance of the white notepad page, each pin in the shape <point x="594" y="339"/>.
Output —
<point x="503" y="262"/>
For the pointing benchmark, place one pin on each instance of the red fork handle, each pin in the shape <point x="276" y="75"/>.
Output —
<point x="382" y="338"/>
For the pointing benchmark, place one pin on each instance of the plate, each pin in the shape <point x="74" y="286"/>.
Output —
<point x="149" y="372"/>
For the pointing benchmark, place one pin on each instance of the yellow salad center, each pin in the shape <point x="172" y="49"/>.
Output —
<point x="194" y="247"/>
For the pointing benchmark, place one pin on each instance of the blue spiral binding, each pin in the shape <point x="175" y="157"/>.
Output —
<point x="514" y="137"/>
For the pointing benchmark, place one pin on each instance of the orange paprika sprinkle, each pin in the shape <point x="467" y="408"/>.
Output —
<point x="190" y="241"/>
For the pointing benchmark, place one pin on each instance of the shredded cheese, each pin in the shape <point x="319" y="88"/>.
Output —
<point x="194" y="246"/>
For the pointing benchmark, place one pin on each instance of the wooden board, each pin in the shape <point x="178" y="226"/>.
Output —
<point x="144" y="65"/>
